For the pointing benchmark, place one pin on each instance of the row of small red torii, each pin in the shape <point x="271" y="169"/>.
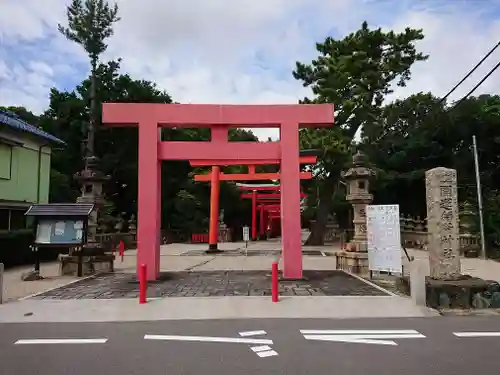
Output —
<point x="217" y="152"/>
<point x="269" y="203"/>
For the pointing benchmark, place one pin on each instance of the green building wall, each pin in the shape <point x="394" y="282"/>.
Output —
<point x="24" y="169"/>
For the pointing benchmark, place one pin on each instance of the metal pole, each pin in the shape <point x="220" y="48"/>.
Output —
<point x="1" y="283"/>
<point x="479" y="198"/>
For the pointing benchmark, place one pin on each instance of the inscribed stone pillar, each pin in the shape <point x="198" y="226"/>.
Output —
<point x="443" y="224"/>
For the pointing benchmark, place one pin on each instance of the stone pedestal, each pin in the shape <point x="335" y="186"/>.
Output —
<point x="466" y="293"/>
<point x="68" y="264"/>
<point x="353" y="262"/>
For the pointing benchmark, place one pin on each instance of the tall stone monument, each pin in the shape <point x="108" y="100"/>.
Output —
<point x="443" y="223"/>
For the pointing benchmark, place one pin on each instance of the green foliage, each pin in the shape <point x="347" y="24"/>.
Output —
<point x="420" y="133"/>
<point x="184" y="203"/>
<point x="90" y="23"/>
<point x="491" y="214"/>
<point x="355" y="74"/>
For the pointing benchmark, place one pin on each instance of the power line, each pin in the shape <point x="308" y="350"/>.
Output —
<point x="477" y="85"/>
<point x="470" y="72"/>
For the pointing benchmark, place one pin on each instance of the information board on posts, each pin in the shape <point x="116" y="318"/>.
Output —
<point x="384" y="238"/>
<point x="59" y="232"/>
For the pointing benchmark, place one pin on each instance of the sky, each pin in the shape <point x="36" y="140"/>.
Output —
<point x="239" y="51"/>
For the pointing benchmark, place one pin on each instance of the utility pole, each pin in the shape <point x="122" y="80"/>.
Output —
<point x="479" y="197"/>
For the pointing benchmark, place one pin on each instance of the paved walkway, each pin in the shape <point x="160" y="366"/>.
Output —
<point x="103" y="310"/>
<point x="215" y="284"/>
<point x="485" y="269"/>
<point x="177" y="257"/>
<point x="231" y="271"/>
<point x="15" y="288"/>
<point x="174" y="257"/>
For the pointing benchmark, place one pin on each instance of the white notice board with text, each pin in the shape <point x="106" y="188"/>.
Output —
<point x="384" y="238"/>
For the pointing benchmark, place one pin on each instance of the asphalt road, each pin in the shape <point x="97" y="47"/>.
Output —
<point x="123" y="349"/>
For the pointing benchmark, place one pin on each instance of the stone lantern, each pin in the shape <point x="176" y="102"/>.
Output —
<point x="358" y="177"/>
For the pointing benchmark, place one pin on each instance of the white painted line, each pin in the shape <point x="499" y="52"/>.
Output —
<point x="375" y="337"/>
<point x="477" y="334"/>
<point x="260" y="348"/>
<point x="268" y="353"/>
<point x="60" y="341"/>
<point x="234" y="340"/>
<point x="358" y="332"/>
<point x="252" y="333"/>
<point x="372" y="284"/>
<point x="323" y="253"/>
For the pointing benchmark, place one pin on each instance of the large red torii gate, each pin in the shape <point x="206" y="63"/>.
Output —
<point x="219" y="118"/>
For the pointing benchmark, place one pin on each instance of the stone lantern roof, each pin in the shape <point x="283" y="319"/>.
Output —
<point x="359" y="168"/>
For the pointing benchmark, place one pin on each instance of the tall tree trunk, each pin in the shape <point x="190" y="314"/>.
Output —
<point x="93" y="113"/>
<point x="327" y="190"/>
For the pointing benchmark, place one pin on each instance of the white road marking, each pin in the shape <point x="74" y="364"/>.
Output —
<point x="252" y="333"/>
<point x="323" y="253"/>
<point x="260" y="348"/>
<point x="60" y="341"/>
<point x="374" y="337"/>
<point x="234" y="340"/>
<point x="477" y="334"/>
<point x="267" y="353"/>
<point x="357" y="331"/>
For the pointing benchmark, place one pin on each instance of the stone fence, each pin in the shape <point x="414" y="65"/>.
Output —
<point x="109" y="240"/>
<point x="413" y="234"/>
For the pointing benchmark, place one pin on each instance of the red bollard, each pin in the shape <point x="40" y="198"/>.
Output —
<point x="121" y="247"/>
<point x="143" y="284"/>
<point x="274" y="280"/>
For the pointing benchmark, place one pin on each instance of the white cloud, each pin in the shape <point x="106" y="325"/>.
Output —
<point x="237" y="51"/>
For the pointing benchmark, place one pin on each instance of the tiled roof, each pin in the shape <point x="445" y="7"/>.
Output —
<point x="13" y="121"/>
<point x="60" y="209"/>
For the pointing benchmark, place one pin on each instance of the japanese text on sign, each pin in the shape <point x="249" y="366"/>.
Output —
<point x="384" y="238"/>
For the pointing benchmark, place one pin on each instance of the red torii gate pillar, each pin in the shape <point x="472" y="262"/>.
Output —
<point x="213" y="234"/>
<point x="148" y="117"/>
<point x="254" y="215"/>
<point x="262" y="229"/>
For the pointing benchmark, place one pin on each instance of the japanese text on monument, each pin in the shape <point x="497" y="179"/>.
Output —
<point x="446" y="203"/>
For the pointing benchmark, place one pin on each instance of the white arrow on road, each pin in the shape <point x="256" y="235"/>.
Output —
<point x="234" y="340"/>
<point x="375" y="337"/>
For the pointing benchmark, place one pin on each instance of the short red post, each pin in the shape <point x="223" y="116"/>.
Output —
<point x="274" y="278"/>
<point x="122" y="248"/>
<point x="143" y="285"/>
